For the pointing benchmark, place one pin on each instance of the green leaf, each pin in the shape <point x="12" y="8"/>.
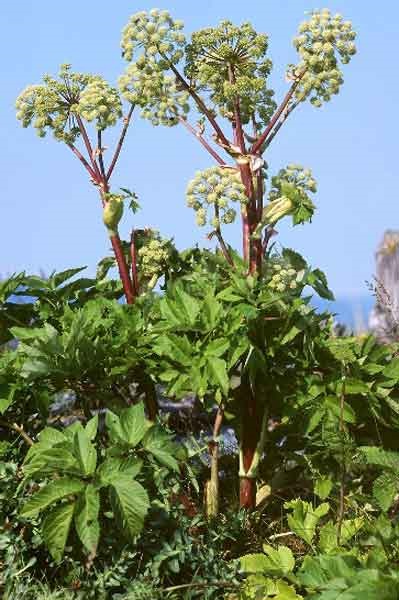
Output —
<point x="171" y="313"/>
<point x="86" y="518"/>
<point x="131" y="503"/>
<point x="114" y="427"/>
<point x="134" y="424"/>
<point x="7" y="393"/>
<point x="254" y="563"/>
<point x="85" y="452"/>
<point x="49" y="494"/>
<point x="51" y="460"/>
<point x="323" y="487"/>
<point x="281" y="561"/>
<point x="304" y="519"/>
<point x="392" y="370"/>
<point x="328" y="537"/>
<point x="333" y="405"/>
<point x="290" y="335"/>
<point x="217" y="369"/>
<point x="350" y="528"/>
<point x="385" y="488"/>
<point x="55" y="529"/>
<point x="160" y="445"/>
<point x="319" y="283"/>
<point x="375" y="455"/>
<point x="217" y="347"/>
<point x="110" y="469"/>
<point x="230" y="295"/>
<point x="189" y="305"/>
<point x="211" y="311"/>
<point x="92" y="427"/>
<point x="175" y="348"/>
<point x="59" y="278"/>
<point x="315" y="419"/>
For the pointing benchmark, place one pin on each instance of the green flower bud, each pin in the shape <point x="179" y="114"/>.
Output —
<point x="112" y="213"/>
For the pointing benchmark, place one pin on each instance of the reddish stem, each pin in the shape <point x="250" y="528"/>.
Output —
<point x="123" y="268"/>
<point x="249" y="217"/>
<point x="133" y="254"/>
<point x="199" y="102"/>
<point x="261" y="140"/>
<point x="100" y="154"/>
<point x="202" y="141"/>
<point x="247" y="493"/>
<point x="88" y="147"/>
<point x="251" y="426"/>
<point x="120" y="142"/>
<point x="83" y="161"/>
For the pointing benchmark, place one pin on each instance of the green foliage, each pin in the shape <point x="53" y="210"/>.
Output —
<point x="75" y="472"/>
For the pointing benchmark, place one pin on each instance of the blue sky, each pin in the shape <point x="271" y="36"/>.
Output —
<point x="51" y="218"/>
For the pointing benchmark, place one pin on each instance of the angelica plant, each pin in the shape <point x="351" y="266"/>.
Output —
<point x="222" y="73"/>
<point x="67" y="107"/>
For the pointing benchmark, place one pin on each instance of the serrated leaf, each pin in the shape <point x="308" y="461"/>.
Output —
<point x="254" y="563"/>
<point x="328" y="537"/>
<point x="160" y="445"/>
<point x="52" y="492"/>
<point x="188" y="304"/>
<point x="217" y="347"/>
<point x="109" y="470"/>
<point x="349" y="528"/>
<point x="217" y="369"/>
<point x="134" y="424"/>
<point x="385" y="488"/>
<point x="323" y="487"/>
<point x="392" y="369"/>
<point x="50" y="460"/>
<point x="131" y="503"/>
<point x="281" y="561"/>
<point x="304" y="518"/>
<point x="85" y="452"/>
<point x="114" y="427"/>
<point x="55" y="529"/>
<point x="375" y="455"/>
<point x="86" y="518"/>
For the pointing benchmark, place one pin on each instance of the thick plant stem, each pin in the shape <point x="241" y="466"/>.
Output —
<point x="150" y="399"/>
<point x="212" y="486"/>
<point x="123" y="268"/>
<point x="341" y="509"/>
<point x="253" y="433"/>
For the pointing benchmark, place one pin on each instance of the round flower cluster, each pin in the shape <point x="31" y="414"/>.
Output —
<point x="215" y="187"/>
<point x="230" y="61"/>
<point x="156" y="34"/>
<point x="294" y="175"/>
<point x="283" y="279"/>
<point x="101" y="103"/>
<point x="153" y="254"/>
<point x="146" y="85"/>
<point x="53" y="104"/>
<point x="290" y="189"/>
<point x="321" y="40"/>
